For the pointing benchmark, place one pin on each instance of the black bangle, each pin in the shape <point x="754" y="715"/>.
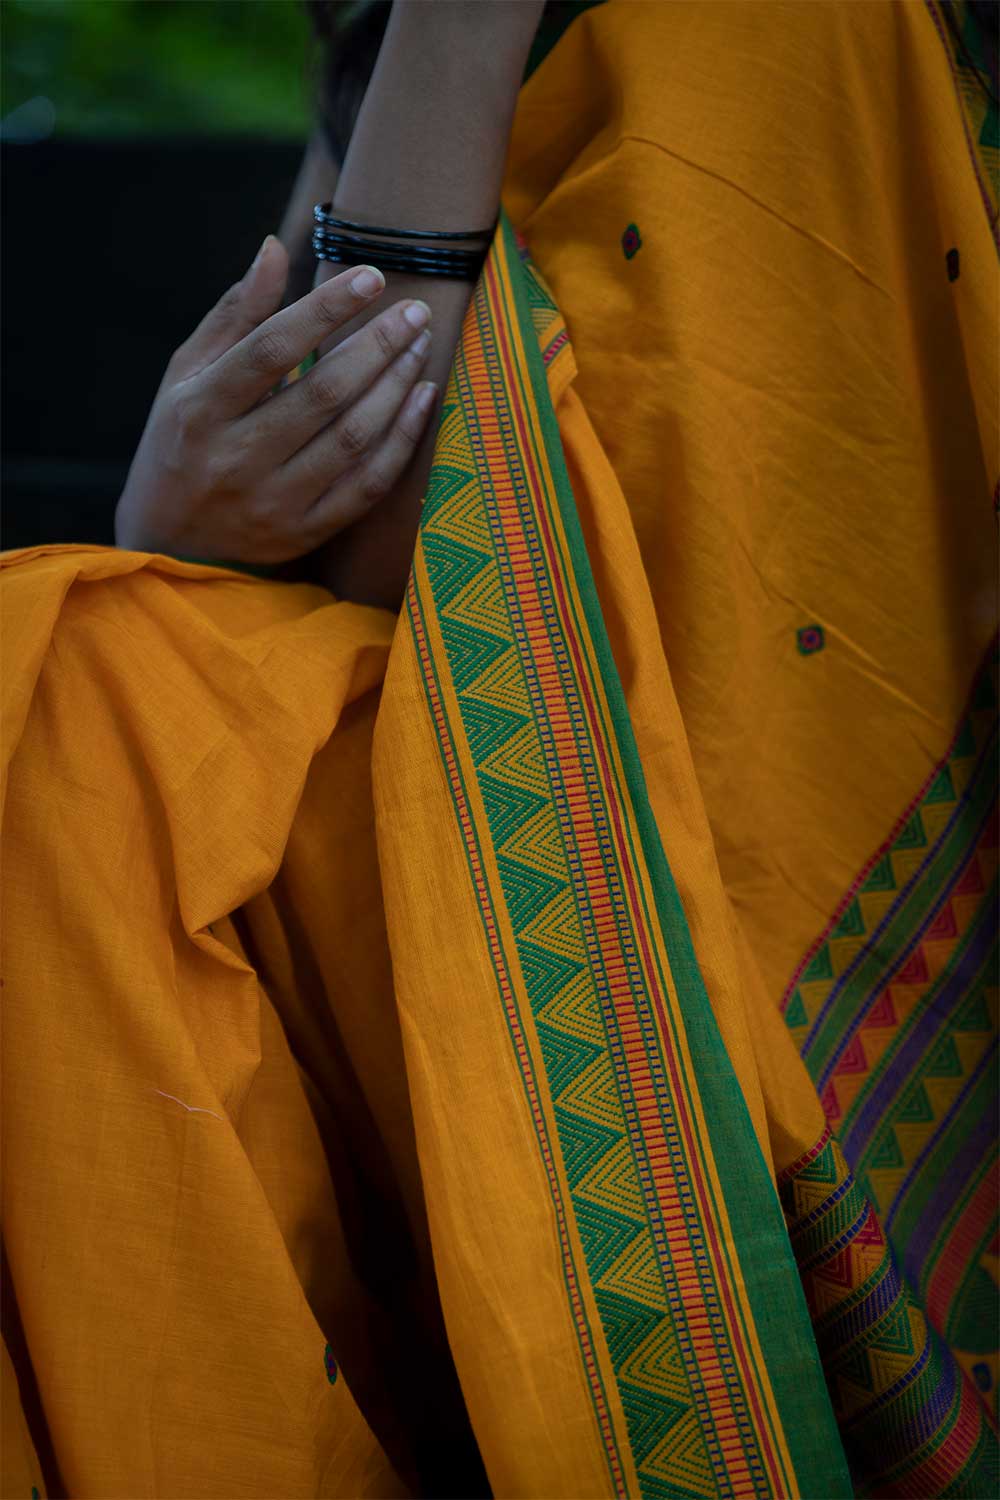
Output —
<point x="456" y="271"/>
<point x="461" y="265"/>
<point x="361" y="250"/>
<point x="363" y="246"/>
<point x="323" y="216"/>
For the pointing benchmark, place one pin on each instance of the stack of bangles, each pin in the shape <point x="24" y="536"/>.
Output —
<point x="348" y="242"/>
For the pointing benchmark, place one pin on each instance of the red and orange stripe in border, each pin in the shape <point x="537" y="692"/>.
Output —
<point x="513" y="653"/>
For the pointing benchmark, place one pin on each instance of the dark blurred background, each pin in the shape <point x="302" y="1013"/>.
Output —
<point x="147" y="146"/>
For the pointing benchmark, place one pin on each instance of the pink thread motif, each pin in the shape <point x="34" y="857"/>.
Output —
<point x="810" y="639"/>
<point x="631" y="241"/>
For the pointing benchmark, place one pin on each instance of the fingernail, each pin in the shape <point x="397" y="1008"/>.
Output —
<point x="420" y="342"/>
<point x="423" y="396"/>
<point x="367" y="282"/>
<point x="417" y="314"/>
<point x="265" y="247"/>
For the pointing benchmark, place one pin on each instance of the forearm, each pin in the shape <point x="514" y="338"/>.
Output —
<point x="428" y="151"/>
<point x="316" y="183"/>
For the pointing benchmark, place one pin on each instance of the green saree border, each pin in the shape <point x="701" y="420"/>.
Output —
<point x="807" y="1416"/>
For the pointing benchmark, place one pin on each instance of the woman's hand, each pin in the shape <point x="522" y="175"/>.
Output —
<point x="230" y="469"/>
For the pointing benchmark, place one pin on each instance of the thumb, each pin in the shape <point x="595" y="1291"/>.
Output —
<point x="237" y="312"/>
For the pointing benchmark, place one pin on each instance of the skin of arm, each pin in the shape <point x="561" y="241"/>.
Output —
<point x="427" y="152"/>
<point x="316" y="183"/>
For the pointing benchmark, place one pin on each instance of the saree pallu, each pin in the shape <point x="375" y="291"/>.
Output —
<point x="542" y="1045"/>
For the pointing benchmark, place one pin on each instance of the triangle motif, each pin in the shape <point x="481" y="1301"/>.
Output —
<point x="943" y="927"/>
<point x="461" y="516"/>
<point x="503" y="683"/>
<point x="539" y="843"/>
<point x="795" y="1014"/>
<point x="882" y="1013"/>
<point x="450" y="566"/>
<point x="912" y="836"/>
<point x="944" y="1061"/>
<point x="604" y="1234"/>
<point x="822" y="1168"/>
<point x="914" y="971"/>
<point x="896" y="1333"/>
<point x="648" y="1417"/>
<point x="487" y="726"/>
<point x="526" y="891"/>
<point x="519" y="759"/>
<point x="886" y="1152"/>
<point x="507" y="807"/>
<point x="595" y="1095"/>
<point x="443" y="483"/>
<point x="942" y="788"/>
<point x="469" y="651"/>
<point x="973" y="1015"/>
<point x="626" y="1323"/>
<point x="830" y="1103"/>
<point x="819" y="966"/>
<point x="566" y="1056"/>
<point x="481" y="605"/>
<point x="852" y="1059"/>
<point x="851" y="924"/>
<point x="880" y="877"/>
<point x="614" y="1183"/>
<point x="583" y="1142"/>
<point x="679" y="1467"/>
<point x="573" y="1006"/>
<point x="915" y="1108"/>
<point x="656" y="1363"/>
<point x="545" y="973"/>
<point x="558" y="926"/>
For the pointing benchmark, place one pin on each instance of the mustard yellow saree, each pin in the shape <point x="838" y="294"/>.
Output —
<point x="543" y="1044"/>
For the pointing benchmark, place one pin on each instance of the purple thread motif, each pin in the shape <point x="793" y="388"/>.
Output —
<point x="810" y="639"/>
<point x="331" y="1365"/>
<point x="631" y="241"/>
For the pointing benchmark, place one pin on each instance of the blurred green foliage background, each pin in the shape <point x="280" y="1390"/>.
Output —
<point x="159" y="67"/>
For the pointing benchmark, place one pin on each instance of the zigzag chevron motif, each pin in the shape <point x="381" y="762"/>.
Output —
<point x="515" y="789"/>
<point x="895" y="1012"/>
<point x="889" y="1375"/>
<point x="927" y="834"/>
<point x="661" y="1361"/>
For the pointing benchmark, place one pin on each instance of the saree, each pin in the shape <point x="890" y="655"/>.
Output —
<point x="543" y="1044"/>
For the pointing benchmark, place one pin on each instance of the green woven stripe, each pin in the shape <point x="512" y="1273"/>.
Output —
<point x="981" y="1098"/>
<point x="782" y="1320"/>
<point x="912" y="914"/>
<point x="543" y="1145"/>
<point x="930" y="999"/>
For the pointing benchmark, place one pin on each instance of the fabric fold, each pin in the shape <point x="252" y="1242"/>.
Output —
<point x="660" y="1232"/>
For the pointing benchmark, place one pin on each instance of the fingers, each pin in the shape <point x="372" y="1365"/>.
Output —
<point x="244" y="374"/>
<point x="286" y="423"/>
<point x="375" y="472"/>
<point x="237" y="313"/>
<point x="360" y="429"/>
